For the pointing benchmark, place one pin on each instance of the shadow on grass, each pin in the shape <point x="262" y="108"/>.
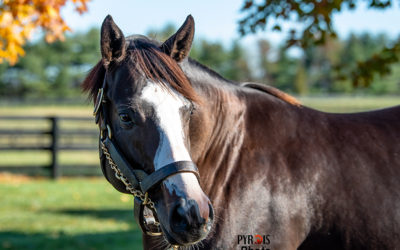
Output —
<point x="130" y="239"/>
<point x="125" y="215"/>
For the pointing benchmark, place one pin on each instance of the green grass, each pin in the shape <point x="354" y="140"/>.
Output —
<point x="48" y="110"/>
<point x="72" y="213"/>
<point x="345" y="104"/>
<point x="18" y="158"/>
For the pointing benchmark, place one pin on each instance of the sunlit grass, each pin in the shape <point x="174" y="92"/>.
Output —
<point x="43" y="158"/>
<point x="72" y="213"/>
<point x="346" y="104"/>
<point x="48" y="110"/>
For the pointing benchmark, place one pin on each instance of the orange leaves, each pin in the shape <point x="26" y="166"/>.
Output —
<point x="81" y="6"/>
<point x="19" y="18"/>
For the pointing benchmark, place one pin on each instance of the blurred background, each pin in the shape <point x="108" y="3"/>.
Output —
<point x="335" y="56"/>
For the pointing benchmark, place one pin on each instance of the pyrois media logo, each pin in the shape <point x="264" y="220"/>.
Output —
<point x="250" y="242"/>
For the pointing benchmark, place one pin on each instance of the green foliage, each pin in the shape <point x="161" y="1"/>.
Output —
<point x="381" y="63"/>
<point x="230" y="62"/>
<point x="51" y="70"/>
<point x="56" y="70"/>
<point x="300" y="82"/>
<point x="210" y="53"/>
<point x="281" y="73"/>
<point x="238" y="68"/>
<point x="315" y="19"/>
<point x="325" y="67"/>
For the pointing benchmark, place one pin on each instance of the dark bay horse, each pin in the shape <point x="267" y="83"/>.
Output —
<point x="272" y="174"/>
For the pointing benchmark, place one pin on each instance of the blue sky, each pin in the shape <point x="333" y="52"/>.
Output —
<point x="215" y="19"/>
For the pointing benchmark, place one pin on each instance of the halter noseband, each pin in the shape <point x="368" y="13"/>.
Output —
<point x="136" y="181"/>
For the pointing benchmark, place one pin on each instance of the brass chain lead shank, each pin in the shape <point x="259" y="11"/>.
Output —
<point x="143" y="197"/>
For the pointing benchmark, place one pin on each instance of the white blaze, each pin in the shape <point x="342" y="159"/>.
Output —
<point x="171" y="146"/>
<point x="166" y="105"/>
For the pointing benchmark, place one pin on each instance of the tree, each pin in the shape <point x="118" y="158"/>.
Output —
<point x="51" y="70"/>
<point x="19" y="18"/>
<point x="316" y="17"/>
<point x="278" y="70"/>
<point x="300" y="82"/>
<point x="320" y="62"/>
<point x="238" y="68"/>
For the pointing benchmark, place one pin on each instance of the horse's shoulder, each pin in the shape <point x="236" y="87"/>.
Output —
<point x="272" y="91"/>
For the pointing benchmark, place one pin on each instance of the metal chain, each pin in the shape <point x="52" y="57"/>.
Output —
<point x="143" y="197"/>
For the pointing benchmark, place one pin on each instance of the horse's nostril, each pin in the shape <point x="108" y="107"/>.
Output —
<point x="186" y="216"/>
<point x="211" y="211"/>
<point x="180" y="217"/>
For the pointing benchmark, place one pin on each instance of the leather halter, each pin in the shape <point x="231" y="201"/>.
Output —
<point x="140" y="182"/>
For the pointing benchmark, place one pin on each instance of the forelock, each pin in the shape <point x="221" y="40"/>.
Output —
<point x="145" y="57"/>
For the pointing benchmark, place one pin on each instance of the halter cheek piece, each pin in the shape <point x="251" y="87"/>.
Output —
<point x="135" y="180"/>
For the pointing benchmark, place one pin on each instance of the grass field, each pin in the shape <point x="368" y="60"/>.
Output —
<point x="71" y="213"/>
<point x="77" y="213"/>
<point x="345" y="104"/>
<point x="87" y="213"/>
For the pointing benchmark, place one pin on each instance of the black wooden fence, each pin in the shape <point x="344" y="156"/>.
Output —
<point x="52" y="138"/>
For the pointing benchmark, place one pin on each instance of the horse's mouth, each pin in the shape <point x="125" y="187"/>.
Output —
<point x="169" y="238"/>
<point x="171" y="241"/>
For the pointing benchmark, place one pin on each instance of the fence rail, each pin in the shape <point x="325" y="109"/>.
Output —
<point x="50" y="141"/>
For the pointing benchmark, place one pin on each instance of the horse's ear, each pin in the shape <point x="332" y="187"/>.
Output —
<point x="112" y="42"/>
<point x="178" y="45"/>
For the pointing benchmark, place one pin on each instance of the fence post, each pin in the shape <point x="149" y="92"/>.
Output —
<point x="55" y="171"/>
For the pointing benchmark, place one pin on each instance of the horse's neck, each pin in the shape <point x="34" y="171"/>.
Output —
<point x="217" y="126"/>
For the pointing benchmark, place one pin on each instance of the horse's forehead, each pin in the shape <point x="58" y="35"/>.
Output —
<point x="126" y="86"/>
<point x="161" y="98"/>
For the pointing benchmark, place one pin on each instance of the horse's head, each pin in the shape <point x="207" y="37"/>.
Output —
<point x="149" y="105"/>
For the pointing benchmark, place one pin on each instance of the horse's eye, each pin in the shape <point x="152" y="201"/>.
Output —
<point x="125" y="118"/>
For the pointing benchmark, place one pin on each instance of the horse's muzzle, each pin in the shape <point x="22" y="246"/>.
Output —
<point x="189" y="213"/>
<point x="189" y="225"/>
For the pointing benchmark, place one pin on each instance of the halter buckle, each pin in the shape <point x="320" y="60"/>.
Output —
<point x="154" y="233"/>
<point x="99" y="101"/>
<point x="146" y="218"/>
<point x="109" y="132"/>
